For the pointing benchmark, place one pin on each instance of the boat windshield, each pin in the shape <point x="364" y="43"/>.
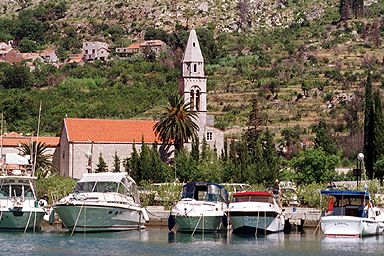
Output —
<point x="210" y="193"/>
<point x="17" y="190"/>
<point x="247" y="198"/>
<point x="99" y="186"/>
<point x="4" y="191"/>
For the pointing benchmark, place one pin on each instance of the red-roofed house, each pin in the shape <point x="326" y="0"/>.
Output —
<point x="12" y="56"/>
<point x="75" y="58"/>
<point x="156" y="46"/>
<point x="11" y="143"/>
<point x="82" y="141"/>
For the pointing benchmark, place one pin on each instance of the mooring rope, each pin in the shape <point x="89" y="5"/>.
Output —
<point x="77" y="219"/>
<point x="197" y="224"/>
<point x="29" y="219"/>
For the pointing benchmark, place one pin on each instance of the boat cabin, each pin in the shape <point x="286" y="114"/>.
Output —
<point x="205" y="191"/>
<point x="346" y="202"/>
<point x="260" y="197"/>
<point x="16" y="186"/>
<point x="107" y="183"/>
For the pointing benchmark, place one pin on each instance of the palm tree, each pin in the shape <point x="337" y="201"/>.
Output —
<point x="43" y="164"/>
<point x="176" y="123"/>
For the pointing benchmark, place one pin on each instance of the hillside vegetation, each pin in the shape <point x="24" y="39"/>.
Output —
<point x="296" y="57"/>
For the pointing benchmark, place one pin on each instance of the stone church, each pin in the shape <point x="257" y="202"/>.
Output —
<point x="82" y="140"/>
<point x="193" y="86"/>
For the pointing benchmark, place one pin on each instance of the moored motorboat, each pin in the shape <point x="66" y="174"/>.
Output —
<point x="201" y="208"/>
<point x="102" y="202"/>
<point x="351" y="214"/>
<point x="256" y="213"/>
<point x="19" y="208"/>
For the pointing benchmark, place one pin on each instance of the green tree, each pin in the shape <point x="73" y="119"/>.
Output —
<point x="324" y="139"/>
<point x="369" y="128"/>
<point x="16" y="76"/>
<point x="29" y="27"/>
<point x="378" y="131"/>
<point x="102" y="165"/>
<point x="40" y="158"/>
<point x="176" y="124"/>
<point x="379" y="168"/>
<point x="185" y="166"/>
<point x="291" y="138"/>
<point x="272" y="160"/>
<point x="132" y="164"/>
<point x="27" y="45"/>
<point x="314" y="165"/>
<point x="116" y="163"/>
<point x="208" y="44"/>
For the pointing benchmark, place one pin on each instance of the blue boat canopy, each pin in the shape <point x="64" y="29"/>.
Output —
<point x="206" y="191"/>
<point x="345" y="193"/>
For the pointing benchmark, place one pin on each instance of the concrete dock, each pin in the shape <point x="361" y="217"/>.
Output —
<point x="309" y="217"/>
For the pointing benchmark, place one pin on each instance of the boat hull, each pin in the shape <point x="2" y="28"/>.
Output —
<point x="21" y="220"/>
<point x="349" y="226"/>
<point x="252" y="222"/>
<point x="199" y="223"/>
<point x="94" y="218"/>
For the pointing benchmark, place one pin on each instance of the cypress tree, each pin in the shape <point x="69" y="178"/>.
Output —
<point x="369" y="128"/>
<point x="324" y="139"/>
<point x="378" y="130"/>
<point x="101" y="166"/>
<point x="116" y="163"/>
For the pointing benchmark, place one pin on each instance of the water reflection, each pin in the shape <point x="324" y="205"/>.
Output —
<point x="159" y="241"/>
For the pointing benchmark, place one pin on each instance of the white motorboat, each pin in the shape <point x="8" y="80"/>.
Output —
<point x="19" y="208"/>
<point x="102" y="202"/>
<point x="256" y="213"/>
<point x="201" y="208"/>
<point x="351" y="214"/>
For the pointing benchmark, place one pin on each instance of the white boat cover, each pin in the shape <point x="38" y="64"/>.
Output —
<point x="105" y="176"/>
<point x="13" y="158"/>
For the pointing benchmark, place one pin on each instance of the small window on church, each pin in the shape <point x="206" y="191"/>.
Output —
<point x="194" y="44"/>
<point x="194" y="67"/>
<point x="192" y="100"/>
<point x="209" y="136"/>
<point x="197" y="104"/>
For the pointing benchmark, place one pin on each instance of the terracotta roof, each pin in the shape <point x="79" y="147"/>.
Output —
<point x="51" y="142"/>
<point x="152" y="43"/>
<point x="75" y="58"/>
<point x="106" y="130"/>
<point x="12" y="134"/>
<point x="30" y="55"/>
<point x="134" y="46"/>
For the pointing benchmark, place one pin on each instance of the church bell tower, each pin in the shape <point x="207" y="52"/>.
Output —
<point x="194" y="83"/>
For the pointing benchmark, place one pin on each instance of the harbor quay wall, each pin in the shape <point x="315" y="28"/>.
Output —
<point x="158" y="216"/>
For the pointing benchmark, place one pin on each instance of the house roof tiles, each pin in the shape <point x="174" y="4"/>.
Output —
<point x="106" y="130"/>
<point x="16" y="141"/>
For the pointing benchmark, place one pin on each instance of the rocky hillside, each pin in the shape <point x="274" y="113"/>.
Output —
<point x="235" y="15"/>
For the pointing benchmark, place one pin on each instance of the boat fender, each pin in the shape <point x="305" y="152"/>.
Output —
<point x="43" y="203"/>
<point x="171" y="222"/>
<point x="145" y="215"/>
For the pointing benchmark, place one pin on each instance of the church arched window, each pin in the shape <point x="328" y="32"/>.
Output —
<point x="195" y="68"/>
<point x="197" y="100"/>
<point x="192" y="100"/>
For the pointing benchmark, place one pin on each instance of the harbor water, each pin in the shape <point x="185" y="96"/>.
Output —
<point x="158" y="241"/>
